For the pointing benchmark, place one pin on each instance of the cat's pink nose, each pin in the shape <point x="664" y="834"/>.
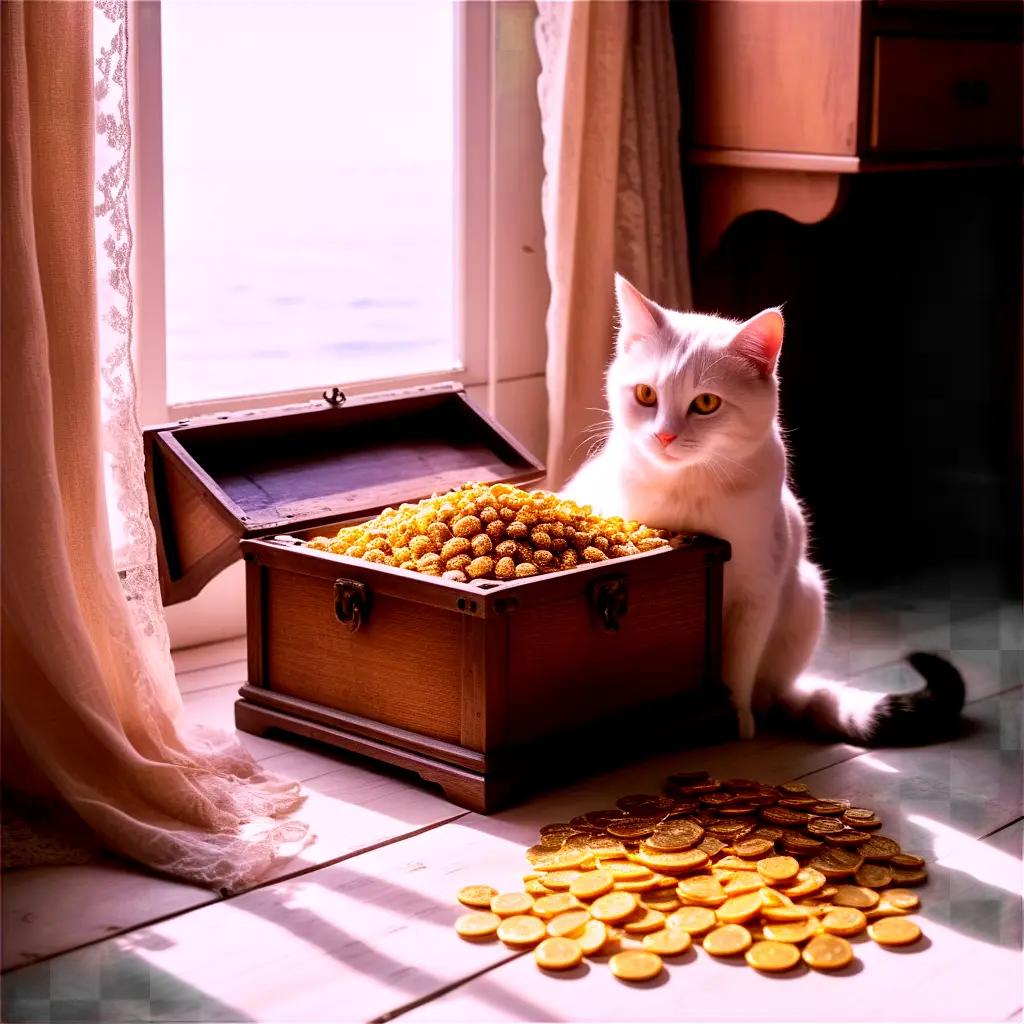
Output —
<point x="666" y="439"/>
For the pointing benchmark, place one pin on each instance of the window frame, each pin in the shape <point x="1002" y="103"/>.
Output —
<point x="473" y="221"/>
<point x="501" y="282"/>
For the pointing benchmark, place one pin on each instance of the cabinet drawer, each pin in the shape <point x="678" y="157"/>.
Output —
<point x="942" y="95"/>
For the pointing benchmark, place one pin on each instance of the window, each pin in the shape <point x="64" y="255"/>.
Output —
<point x="309" y="160"/>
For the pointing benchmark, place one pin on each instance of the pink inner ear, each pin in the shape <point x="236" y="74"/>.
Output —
<point x="760" y="340"/>
<point x="636" y="316"/>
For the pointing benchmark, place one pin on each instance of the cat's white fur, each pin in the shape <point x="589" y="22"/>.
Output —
<point x="723" y="474"/>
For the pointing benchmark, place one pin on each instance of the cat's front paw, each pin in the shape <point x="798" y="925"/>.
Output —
<point x="746" y="724"/>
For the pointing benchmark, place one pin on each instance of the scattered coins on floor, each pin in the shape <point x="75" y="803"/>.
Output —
<point x="774" y="875"/>
<point x="492" y="532"/>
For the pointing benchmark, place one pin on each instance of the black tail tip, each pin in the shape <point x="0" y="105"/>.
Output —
<point x="943" y="679"/>
<point x="924" y="716"/>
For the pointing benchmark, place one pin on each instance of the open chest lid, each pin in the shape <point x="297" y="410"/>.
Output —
<point x="214" y="480"/>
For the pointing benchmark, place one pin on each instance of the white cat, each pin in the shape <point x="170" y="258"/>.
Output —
<point x="696" y="446"/>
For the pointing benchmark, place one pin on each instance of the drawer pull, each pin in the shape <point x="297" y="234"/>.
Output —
<point x="351" y="603"/>
<point x="611" y="601"/>
<point x="972" y="92"/>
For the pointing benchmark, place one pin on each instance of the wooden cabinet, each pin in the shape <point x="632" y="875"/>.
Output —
<point x="786" y="101"/>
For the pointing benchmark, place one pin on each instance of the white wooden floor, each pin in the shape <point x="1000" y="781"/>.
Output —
<point x="357" y="926"/>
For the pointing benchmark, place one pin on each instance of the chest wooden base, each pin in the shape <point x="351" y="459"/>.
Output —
<point x="485" y="784"/>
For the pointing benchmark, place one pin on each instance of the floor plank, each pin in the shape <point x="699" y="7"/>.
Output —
<point x="349" y="807"/>
<point x="188" y="660"/>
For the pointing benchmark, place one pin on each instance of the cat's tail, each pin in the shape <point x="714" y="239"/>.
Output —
<point x="874" y="719"/>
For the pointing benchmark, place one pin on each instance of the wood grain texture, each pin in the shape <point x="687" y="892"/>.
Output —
<point x="725" y="193"/>
<point x="565" y="668"/>
<point x="777" y="75"/>
<point x="935" y="95"/>
<point x="403" y="667"/>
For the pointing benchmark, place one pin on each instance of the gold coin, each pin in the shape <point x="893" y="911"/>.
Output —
<point x="774" y="898"/>
<point x="625" y="871"/>
<point x="477" y="896"/>
<point x="643" y="920"/>
<point x="778" y="870"/>
<point x="828" y="952"/>
<point x="673" y="863"/>
<point x="793" y="931"/>
<point x="902" y="898"/>
<point x="753" y="848"/>
<point x="695" y="920"/>
<point x="838" y="863"/>
<point x="844" y="921"/>
<point x="558" y="954"/>
<point x="906" y="860"/>
<point x="569" y="925"/>
<point x="894" y="931"/>
<point x="560" y="879"/>
<point x="555" y="903"/>
<point x="477" y="925"/>
<point x="855" y="896"/>
<point x="664" y="900"/>
<point x="679" y="834"/>
<point x="593" y="937"/>
<point x="635" y="965"/>
<point x="909" y="876"/>
<point x="789" y="913"/>
<point x="613" y="906"/>
<point x="704" y="888"/>
<point x="807" y="881"/>
<point x="739" y="909"/>
<point x="736" y="864"/>
<point x="639" y="884"/>
<point x="668" y="941"/>
<point x="767" y="955"/>
<point x="507" y="904"/>
<point x="728" y="940"/>
<point x="879" y="848"/>
<point x="545" y="859"/>
<point x="885" y="909"/>
<point x="743" y="882"/>
<point x="521" y="930"/>
<point x="591" y="884"/>
<point x="874" y="876"/>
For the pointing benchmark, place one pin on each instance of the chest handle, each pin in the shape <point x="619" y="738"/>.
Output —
<point x="351" y="603"/>
<point x="610" y="599"/>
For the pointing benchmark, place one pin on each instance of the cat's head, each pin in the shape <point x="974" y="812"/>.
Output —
<point x="685" y="388"/>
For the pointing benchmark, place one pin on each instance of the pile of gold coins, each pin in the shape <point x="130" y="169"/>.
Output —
<point x="491" y="532"/>
<point x="771" y="873"/>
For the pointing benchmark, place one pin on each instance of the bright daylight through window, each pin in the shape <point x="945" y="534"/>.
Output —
<point x="308" y="194"/>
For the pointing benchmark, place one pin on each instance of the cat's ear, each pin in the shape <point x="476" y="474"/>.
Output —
<point x="760" y="340"/>
<point x="638" y="316"/>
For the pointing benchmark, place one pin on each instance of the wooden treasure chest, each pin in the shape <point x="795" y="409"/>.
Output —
<point x="477" y="687"/>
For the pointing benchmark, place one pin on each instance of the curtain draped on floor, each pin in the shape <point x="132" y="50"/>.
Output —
<point x="612" y="194"/>
<point x="91" y="708"/>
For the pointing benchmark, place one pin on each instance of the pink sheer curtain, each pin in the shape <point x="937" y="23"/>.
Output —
<point x="91" y="710"/>
<point x="612" y="194"/>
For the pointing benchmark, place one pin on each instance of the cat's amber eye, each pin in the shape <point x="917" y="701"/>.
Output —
<point x="705" y="404"/>
<point x="645" y="394"/>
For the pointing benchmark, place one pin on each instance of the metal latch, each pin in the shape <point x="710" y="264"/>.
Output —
<point x="351" y="603"/>
<point x="609" y="597"/>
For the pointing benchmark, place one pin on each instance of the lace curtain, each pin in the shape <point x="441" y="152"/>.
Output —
<point x="612" y="196"/>
<point x="92" y="715"/>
